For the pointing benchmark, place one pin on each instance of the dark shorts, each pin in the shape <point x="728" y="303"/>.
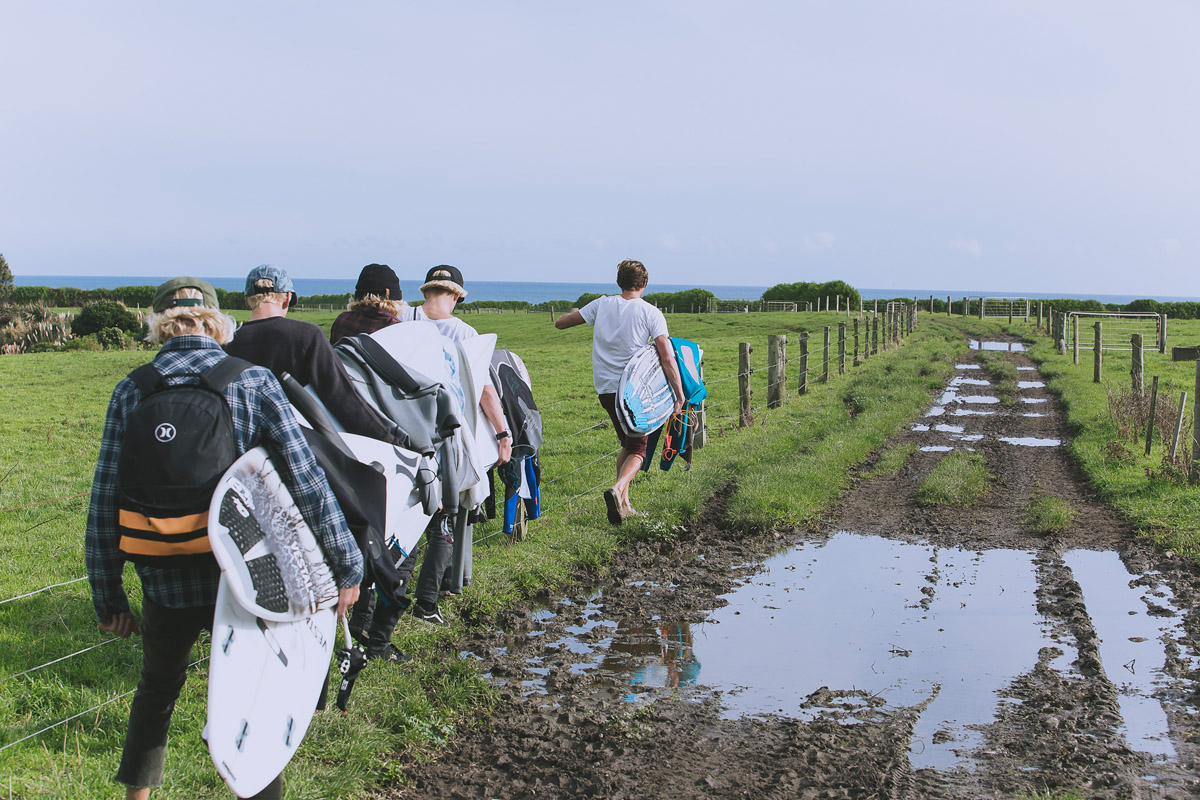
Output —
<point x="634" y="445"/>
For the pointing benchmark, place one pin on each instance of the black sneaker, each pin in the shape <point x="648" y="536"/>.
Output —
<point x="390" y="654"/>
<point x="431" y="615"/>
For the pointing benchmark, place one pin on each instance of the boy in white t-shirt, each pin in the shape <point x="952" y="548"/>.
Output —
<point x="622" y="325"/>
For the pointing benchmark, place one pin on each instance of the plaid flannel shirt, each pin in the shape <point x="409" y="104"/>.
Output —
<point x="261" y="415"/>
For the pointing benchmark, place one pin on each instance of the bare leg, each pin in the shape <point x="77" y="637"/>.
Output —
<point x="627" y="468"/>
<point x="136" y="794"/>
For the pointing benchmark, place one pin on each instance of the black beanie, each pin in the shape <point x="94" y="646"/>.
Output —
<point x="377" y="279"/>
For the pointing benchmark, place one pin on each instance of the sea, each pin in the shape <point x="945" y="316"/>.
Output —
<point x="543" y="291"/>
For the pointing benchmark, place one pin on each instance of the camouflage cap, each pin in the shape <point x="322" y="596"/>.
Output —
<point x="165" y="298"/>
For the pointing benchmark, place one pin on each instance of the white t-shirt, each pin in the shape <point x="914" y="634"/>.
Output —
<point x="453" y="328"/>
<point x="620" y="329"/>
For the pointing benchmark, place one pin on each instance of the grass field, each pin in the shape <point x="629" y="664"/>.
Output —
<point x="784" y="470"/>
<point x="1109" y="440"/>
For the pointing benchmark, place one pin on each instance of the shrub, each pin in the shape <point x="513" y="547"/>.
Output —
<point x="112" y="339"/>
<point x="88" y="343"/>
<point x="102" y="314"/>
<point x="586" y="298"/>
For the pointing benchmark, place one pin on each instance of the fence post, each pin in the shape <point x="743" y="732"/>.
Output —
<point x="700" y="437"/>
<point x="775" y="373"/>
<point x="841" y="348"/>
<point x="1178" y="425"/>
<point x="1162" y="333"/>
<point x="802" y="384"/>
<point x="949" y="305"/>
<point x="875" y="335"/>
<point x="1075" y="336"/>
<point x="856" y="361"/>
<point x="838" y="304"/>
<point x="825" y="358"/>
<point x="745" y="415"/>
<point x="1097" y="355"/>
<point x="1136" y="369"/>
<point x="1039" y="318"/>
<point x="1153" y="411"/>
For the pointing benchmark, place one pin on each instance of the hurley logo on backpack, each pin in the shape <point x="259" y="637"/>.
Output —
<point x="178" y="442"/>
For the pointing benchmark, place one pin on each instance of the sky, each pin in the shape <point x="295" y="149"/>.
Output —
<point x="1017" y="146"/>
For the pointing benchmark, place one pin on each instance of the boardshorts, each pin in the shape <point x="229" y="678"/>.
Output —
<point x="634" y="445"/>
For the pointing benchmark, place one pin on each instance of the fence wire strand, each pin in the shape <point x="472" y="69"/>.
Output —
<point x="43" y="589"/>
<point x="64" y="658"/>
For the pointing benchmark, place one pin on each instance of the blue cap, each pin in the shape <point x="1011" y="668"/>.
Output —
<point x="280" y="282"/>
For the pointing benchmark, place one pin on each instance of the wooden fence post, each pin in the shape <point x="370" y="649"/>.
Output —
<point x="1178" y="425"/>
<point x="1136" y="369"/>
<point x="949" y="305"/>
<point x="802" y="387"/>
<point x="775" y="370"/>
<point x="1192" y="354"/>
<point x="856" y="361"/>
<point x="1153" y="412"/>
<point x="700" y="437"/>
<point x="825" y="358"/>
<point x="1162" y="333"/>
<point x="875" y="335"/>
<point x="1097" y="355"/>
<point x="745" y="415"/>
<point x="1075" y="336"/>
<point x="841" y="348"/>
<point x="1039" y="316"/>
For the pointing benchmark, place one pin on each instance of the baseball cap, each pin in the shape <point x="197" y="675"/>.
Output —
<point x="164" y="297"/>
<point x="377" y="279"/>
<point x="280" y="282"/>
<point x="445" y="277"/>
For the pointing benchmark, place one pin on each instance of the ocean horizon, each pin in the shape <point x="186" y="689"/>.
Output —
<point x="543" y="291"/>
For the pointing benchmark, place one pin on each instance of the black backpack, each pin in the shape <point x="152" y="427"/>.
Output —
<point x="179" y="440"/>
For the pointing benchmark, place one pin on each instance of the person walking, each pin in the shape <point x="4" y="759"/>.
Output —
<point x="378" y="303"/>
<point x="179" y="575"/>
<point x="621" y="326"/>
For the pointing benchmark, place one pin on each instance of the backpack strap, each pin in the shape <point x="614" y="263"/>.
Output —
<point x="223" y="372"/>
<point x="148" y="379"/>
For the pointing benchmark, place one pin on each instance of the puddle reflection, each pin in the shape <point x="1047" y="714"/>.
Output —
<point x="1011" y="347"/>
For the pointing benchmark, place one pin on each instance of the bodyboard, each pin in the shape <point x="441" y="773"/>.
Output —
<point x="264" y="680"/>
<point x="266" y="551"/>
<point x="644" y="398"/>
<point x="478" y="351"/>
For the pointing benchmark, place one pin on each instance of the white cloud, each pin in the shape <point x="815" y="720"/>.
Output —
<point x="671" y="242"/>
<point x="970" y="247"/>
<point x="819" y="242"/>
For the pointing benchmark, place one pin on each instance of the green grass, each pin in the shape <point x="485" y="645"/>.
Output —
<point x="1048" y="514"/>
<point x="892" y="460"/>
<point x="785" y="469"/>
<point x="1003" y="374"/>
<point x="959" y="479"/>
<point x="1157" y="500"/>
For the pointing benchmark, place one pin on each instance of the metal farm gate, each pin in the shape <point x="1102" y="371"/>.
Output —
<point x="1004" y="307"/>
<point x="1115" y="330"/>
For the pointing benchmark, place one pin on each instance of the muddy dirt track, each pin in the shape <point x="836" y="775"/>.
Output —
<point x="997" y="660"/>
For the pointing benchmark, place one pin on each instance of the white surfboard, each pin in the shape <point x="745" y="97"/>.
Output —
<point x="478" y="351"/>
<point x="644" y="398"/>
<point x="264" y="680"/>
<point x="266" y="551"/>
<point x="406" y="516"/>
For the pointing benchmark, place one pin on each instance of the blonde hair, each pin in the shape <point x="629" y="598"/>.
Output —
<point x="162" y="326"/>
<point x="394" y="307"/>
<point x="253" y="301"/>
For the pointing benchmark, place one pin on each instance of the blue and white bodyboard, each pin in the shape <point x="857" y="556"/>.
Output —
<point x="644" y="398"/>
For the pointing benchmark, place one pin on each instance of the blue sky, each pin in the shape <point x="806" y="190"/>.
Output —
<point x="1015" y="146"/>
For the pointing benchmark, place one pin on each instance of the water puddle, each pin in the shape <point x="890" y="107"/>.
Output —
<point x="969" y="382"/>
<point x="967" y="366"/>
<point x="1132" y="625"/>
<point x="978" y="398"/>
<point x="1033" y="400"/>
<point x="970" y="412"/>
<point x="936" y="448"/>
<point x="1030" y="441"/>
<point x="1011" y="347"/>
<point x="1026" y="369"/>
<point x="891" y="622"/>
<point x="1034" y="414"/>
<point x="1030" y="385"/>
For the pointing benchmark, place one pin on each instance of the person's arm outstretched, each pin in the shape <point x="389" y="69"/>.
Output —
<point x="569" y="320"/>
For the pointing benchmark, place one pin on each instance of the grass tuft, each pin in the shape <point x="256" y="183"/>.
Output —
<point x="892" y="460"/>
<point x="959" y="479"/>
<point x="1048" y="514"/>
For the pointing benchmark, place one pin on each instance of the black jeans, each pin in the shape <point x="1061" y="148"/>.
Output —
<point x="167" y="638"/>
<point x="438" y="553"/>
